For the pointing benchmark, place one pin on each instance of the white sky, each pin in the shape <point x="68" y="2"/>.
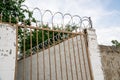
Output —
<point x="105" y="14"/>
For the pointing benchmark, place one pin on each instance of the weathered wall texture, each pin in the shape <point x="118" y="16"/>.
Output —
<point x="110" y="62"/>
<point x="47" y="66"/>
<point x="94" y="55"/>
<point x="7" y="51"/>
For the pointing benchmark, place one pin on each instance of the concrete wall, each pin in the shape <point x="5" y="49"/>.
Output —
<point x="110" y="58"/>
<point x="47" y="66"/>
<point x="7" y="51"/>
<point x="94" y="54"/>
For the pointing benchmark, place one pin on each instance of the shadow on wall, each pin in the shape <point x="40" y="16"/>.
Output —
<point x="110" y="57"/>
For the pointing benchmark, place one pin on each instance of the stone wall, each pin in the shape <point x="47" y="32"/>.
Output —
<point x="110" y="58"/>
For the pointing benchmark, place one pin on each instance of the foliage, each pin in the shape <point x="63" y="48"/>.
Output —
<point x="115" y="43"/>
<point x="12" y="9"/>
<point x="70" y="28"/>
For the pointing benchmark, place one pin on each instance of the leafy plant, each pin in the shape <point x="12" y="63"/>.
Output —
<point x="115" y="43"/>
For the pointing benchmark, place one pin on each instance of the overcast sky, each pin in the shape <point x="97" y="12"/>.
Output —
<point x="105" y="14"/>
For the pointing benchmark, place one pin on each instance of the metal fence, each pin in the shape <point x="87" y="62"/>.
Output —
<point x="51" y="51"/>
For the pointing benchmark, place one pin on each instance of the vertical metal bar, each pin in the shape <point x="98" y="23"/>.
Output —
<point x="74" y="55"/>
<point x="9" y="18"/>
<point x="16" y="63"/>
<point x="37" y="55"/>
<point x="83" y="56"/>
<point x="1" y="17"/>
<point x="70" y="59"/>
<point x="65" y="57"/>
<point x="88" y="57"/>
<point x="24" y="54"/>
<point x="60" y="59"/>
<point x="30" y="54"/>
<point x="54" y="56"/>
<point x="43" y="54"/>
<point x="49" y="55"/>
<point x="79" y="58"/>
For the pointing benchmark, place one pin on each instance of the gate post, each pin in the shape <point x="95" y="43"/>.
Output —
<point x="7" y="51"/>
<point x="94" y="54"/>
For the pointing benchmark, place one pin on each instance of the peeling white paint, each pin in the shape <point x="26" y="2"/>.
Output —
<point x="7" y="51"/>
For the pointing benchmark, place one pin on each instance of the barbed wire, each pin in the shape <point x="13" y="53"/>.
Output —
<point x="59" y="37"/>
<point x="83" y="22"/>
